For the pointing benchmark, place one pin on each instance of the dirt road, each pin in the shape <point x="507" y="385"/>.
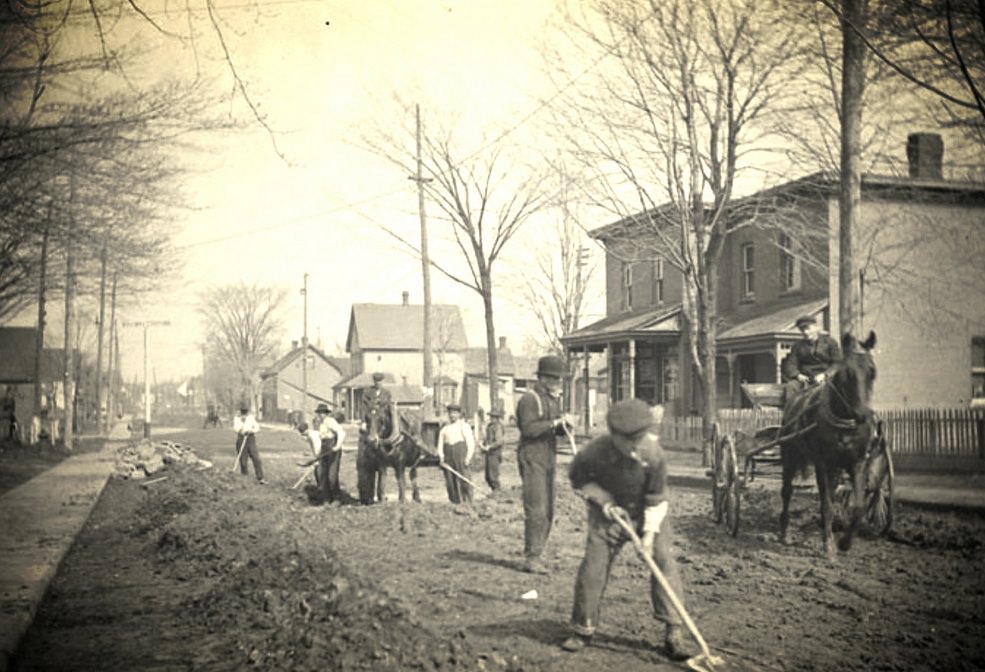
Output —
<point x="209" y="570"/>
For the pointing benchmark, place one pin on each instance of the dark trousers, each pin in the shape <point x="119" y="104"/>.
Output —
<point x="328" y="474"/>
<point x="605" y="539"/>
<point x="537" y="464"/>
<point x="251" y="452"/>
<point x="458" y="490"/>
<point x="494" y="458"/>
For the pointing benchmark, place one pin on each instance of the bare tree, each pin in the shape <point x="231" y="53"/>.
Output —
<point x="682" y="98"/>
<point x="244" y="325"/>
<point x="484" y="199"/>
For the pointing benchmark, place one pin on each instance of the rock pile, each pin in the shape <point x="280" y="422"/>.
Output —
<point x="149" y="457"/>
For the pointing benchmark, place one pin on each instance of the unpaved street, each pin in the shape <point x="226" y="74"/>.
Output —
<point x="208" y="570"/>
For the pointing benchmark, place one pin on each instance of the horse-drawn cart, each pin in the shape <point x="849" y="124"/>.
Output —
<point x="739" y="457"/>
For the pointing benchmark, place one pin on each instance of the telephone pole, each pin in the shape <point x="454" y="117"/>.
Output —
<point x="304" y="354"/>
<point x="426" y="381"/>
<point x="146" y="325"/>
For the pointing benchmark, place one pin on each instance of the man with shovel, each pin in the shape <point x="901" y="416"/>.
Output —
<point x="623" y="478"/>
<point x="246" y="427"/>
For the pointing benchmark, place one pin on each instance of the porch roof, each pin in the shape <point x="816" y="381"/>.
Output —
<point x="658" y="322"/>
<point x="778" y="325"/>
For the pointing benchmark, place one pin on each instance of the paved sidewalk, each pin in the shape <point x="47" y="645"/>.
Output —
<point x="38" y="523"/>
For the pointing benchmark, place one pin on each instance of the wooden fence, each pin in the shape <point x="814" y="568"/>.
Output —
<point x="945" y="432"/>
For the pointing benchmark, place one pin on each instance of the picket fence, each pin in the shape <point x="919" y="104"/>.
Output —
<point x="945" y="432"/>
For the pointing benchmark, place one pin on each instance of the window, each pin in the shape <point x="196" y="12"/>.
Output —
<point x="789" y="265"/>
<point x="657" y="293"/>
<point x="627" y="286"/>
<point x="978" y="367"/>
<point x="748" y="271"/>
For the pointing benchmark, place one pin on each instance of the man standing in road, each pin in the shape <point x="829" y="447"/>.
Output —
<point x="538" y="415"/>
<point x="623" y="476"/>
<point x="331" y="435"/>
<point x="493" y="448"/>
<point x="246" y="427"/>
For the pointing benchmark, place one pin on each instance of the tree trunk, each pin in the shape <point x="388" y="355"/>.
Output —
<point x="67" y="359"/>
<point x="850" y="192"/>
<point x="99" y="337"/>
<point x="494" y="401"/>
<point x="111" y="363"/>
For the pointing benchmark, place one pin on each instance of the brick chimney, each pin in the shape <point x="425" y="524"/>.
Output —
<point x="405" y="297"/>
<point x="502" y="342"/>
<point x="925" y="154"/>
<point x="294" y="345"/>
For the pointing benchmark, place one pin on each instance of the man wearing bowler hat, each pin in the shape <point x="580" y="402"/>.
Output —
<point x="810" y="360"/>
<point x="538" y="415"/>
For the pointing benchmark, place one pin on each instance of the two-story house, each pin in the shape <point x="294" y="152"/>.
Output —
<point x="284" y="382"/>
<point x="918" y="252"/>
<point x="389" y="339"/>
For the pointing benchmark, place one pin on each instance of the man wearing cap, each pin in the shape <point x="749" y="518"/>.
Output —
<point x="373" y="401"/>
<point x="456" y="445"/>
<point x="623" y="475"/>
<point x="329" y="450"/>
<point x="538" y="415"/>
<point x="810" y="360"/>
<point x="493" y="448"/>
<point x="246" y="427"/>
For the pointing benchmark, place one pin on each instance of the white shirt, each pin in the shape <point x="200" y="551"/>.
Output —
<point x="329" y="428"/>
<point x="456" y="432"/>
<point x="314" y="440"/>
<point x="246" y="424"/>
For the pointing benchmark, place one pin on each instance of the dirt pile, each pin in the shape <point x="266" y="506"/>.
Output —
<point x="283" y="601"/>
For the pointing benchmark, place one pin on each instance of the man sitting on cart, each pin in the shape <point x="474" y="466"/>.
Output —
<point x="810" y="361"/>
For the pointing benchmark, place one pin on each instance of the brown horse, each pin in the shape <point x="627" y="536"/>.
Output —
<point x="832" y="426"/>
<point x="386" y="443"/>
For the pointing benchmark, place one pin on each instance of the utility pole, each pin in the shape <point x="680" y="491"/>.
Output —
<point x="42" y="290"/>
<point x="304" y="354"/>
<point x="146" y="325"/>
<point x="426" y="380"/>
<point x="110" y="397"/>
<point x="99" y="337"/>
<point x="67" y="359"/>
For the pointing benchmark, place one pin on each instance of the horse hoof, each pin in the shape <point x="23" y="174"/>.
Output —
<point x="844" y="544"/>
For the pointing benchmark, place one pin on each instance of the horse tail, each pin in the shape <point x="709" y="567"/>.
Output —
<point x="794" y="457"/>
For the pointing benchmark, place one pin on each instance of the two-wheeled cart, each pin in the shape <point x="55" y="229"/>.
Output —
<point x="739" y="457"/>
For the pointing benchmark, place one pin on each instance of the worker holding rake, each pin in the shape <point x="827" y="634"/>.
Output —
<point x="623" y="477"/>
<point x="246" y="427"/>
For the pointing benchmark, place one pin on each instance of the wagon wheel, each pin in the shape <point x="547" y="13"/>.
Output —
<point x="731" y="491"/>
<point x="879" y="489"/>
<point x="714" y="472"/>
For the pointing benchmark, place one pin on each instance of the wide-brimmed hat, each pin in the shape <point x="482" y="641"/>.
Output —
<point x="805" y="319"/>
<point x="629" y="417"/>
<point x="322" y="408"/>
<point x="551" y="365"/>
<point x="378" y="376"/>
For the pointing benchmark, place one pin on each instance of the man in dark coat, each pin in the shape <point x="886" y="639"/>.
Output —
<point x="373" y="401"/>
<point x="539" y="418"/>
<point x="810" y="360"/>
<point x="623" y="476"/>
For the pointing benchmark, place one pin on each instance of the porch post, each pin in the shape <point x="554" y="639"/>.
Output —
<point x="778" y="358"/>
<point x="631" y="378"/>
<point x="730" y="359"/>
<point x="588" y="389"/>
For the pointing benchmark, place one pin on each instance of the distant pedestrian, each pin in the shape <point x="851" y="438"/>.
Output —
<point x="493" y="448"/>
<point x="246" y="427"/>
<point x="623" y="476"/>
<point x="538" y="415"/>
<point x="331" y="435"/>
<point x="456" y="445"/>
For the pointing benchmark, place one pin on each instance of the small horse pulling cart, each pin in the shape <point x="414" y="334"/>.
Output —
<point x="739" y="457"/>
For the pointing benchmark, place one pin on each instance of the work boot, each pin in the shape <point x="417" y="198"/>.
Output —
<point x="534" y="565"/>
<point x="576" y="643"/>
<point x="677" y="645"/>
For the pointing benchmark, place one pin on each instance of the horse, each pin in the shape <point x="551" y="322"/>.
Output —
<point x="831" y="427"/>
<point x="388" y="443"/>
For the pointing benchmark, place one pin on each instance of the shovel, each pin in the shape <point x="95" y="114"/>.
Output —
<point x="704" y="661"/>
<point x="455" y="473"/>
<point x="239" y="455"/>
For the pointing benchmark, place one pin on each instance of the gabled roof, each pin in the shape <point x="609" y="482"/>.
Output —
<point x="289" y="358"/>
<point x="384" y="326"/>
<point x="402" y="394"/>
<point x="477" y="364"/>
<point x="780" y="323"/>
<point x="649" y="323"/>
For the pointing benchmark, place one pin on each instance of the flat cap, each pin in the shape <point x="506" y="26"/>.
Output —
<point x="805" y="319"/>
<point x="629" y="417"/>
<point x="322" y="408"/>
<point x="378" y="376"/>
<point x="495" y="414"/>
<point x="454" y="407"/>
